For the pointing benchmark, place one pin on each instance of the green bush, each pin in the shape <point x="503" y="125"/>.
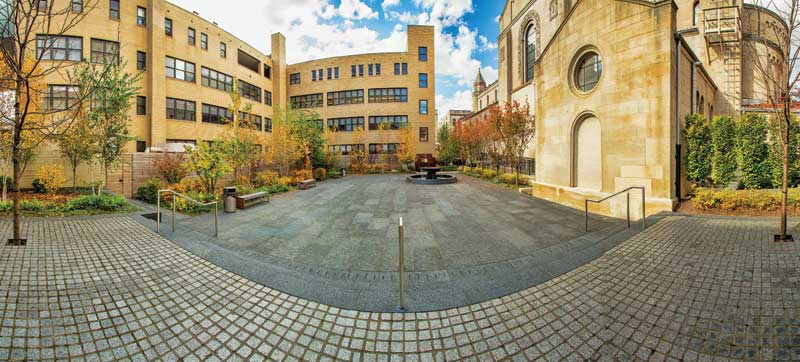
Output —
<point x="776" y="155"/>
<point x="509" y="178"/>
<point x="723" y="150"/>
<point x="698" y="149"/>
<point x="732" y="200"/>
<point x="489" y="174"/>
<point x="752" y="152"/>
<point x="149" y="191"/>
<point x="104" y="202"/>
<point x="38" y="186"/>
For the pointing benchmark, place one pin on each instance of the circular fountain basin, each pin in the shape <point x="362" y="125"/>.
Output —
<point x="431" y="177"/>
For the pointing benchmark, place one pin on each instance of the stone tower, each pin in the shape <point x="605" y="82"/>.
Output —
<point x="477" y="87"/>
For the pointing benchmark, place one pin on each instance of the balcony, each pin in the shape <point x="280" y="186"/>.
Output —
<point x="721" y="24"/>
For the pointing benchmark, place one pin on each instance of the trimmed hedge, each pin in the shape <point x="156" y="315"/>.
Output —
<point x="81" y="205"/>
<point x="731" y="200"/>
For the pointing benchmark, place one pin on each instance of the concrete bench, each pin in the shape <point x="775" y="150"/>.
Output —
<point x="307" y="184"/>
<point x="245" y="201"/>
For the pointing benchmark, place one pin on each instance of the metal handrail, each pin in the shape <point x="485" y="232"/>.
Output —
<point x="175" y="195"/>
<point x="628" y="205"/>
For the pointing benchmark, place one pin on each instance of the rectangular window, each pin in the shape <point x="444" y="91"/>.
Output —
<point x="180" y="69"/>
<point x="330" y="73"/>
<point x="267" y="71"/>
<point x="214" y="79"/>
<point x="294" y="78"/>
<point x="141" y="146"/>
<point x="250" y="121"/>
<point x="336" y="73"/>
<point x="60" y="97"/>
<point x="405" y="68"/>
<point x="388" y="95"/>
<point x="77" y="6"/>
<point x="313" y="75"/>
<point x="306" y="101"/>
<point x="141" y="16"/>
<point x="346" y="149"/>
<point x="348" y="124"/>
<point x="168" y="26"/>
<point x="423" y="54"/>
<point x="353" y="71"/>
<point x="268" y="98"/>
<point x="370" y="69"/>
<point x="203" y="41"/>
<point x="423" y="134"/>
<point x="105" y="51"/>
<point x="42" y="5"/>
<point x="346" y="97"/>
<point x="267" y="124"/>
<point x="383" y="148"/>
<point x="180" y="109"/>
<point x="141" y="106"/>
<point x="223" y="50"/>
<point x="396" y="68"/>
<point x="423" y="106"/>
<point x="50" y="47"/>
<point x="249" y="91"/>
<point x="216" y="115"/>
<point x="248" y="61"/>
<point x="377" y="69"/>
<point x="361" y="70"/>
<point x="388" y="122"/>
<point x="192" y="35"/>
<point x="113" y="9"/>
<point x="141" y="60"/>
<point x="423" y="80"/>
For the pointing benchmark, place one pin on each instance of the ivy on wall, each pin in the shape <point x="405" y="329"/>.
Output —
<point x="698" y="152"/>
<point x="723" y="154"/>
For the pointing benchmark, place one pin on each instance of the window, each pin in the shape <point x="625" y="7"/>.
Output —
<point x="249" y="120"/>
<point x="249" y="91"/>
<point x="423" y="80"/>
<point x="77" y="6"/>
<point x="141" y="16"/>
<point x="191" y="36"/>
<point x="49" y="47"/>
<point x="530" y="51"/>
<point x="336" y="73"/>
<point x="388" y="95"/>
<point x="696" y="13"/>
<point x="313" y="75"/>
<point x="423" y="134"/>
<point x="214" y="79"/>
<point x="267" y="124"/>
<point x="42" y="4"/>
<point x="105" y="52"/>
<point x="348" y="124"/>
<point x="60" y="97"/>
<point x="346" y="149"/>
<point x="587" y="71"/>
<point x="180" y="109"/>
<point x="248" y="61"/>
<point x="423" y="106"/>
<point x="216" y="115"/>
<point x="294" y="78"/>
<point x="268" y="98"/>
<point x="370" y="70"/>
<point x="377" y="69"/>
<point x="141" y="146"/>
<point x="396" y="68"/>
<point x="346" y="97"/>
<point x="141" y="60"/>
<point x="405" y="68"/>
<point x="330" y="73"/>
<point x="553" y="9"/>
<point x="383" y="148"/>
<point x="141" y="106"/>
<point x="306" y="101"/>
<point x="353" y="71"/>
<point x="223" y="50"/>
<point x="400" y="68"/>
<point x="180" y="69"/>
<point x="423" y="54"/>
<point x="388" y="122"/>
<point x="267" y="71"/>
<point x="168" y="26"/>
<point x="113" y="9"/>
<point x="361" y="70"/>
<point x="203" y="41"/>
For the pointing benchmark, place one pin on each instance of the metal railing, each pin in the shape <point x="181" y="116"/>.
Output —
<point x="175" y="195"/>
<point x="627" y="193"/>
<point x="402" y="268"/>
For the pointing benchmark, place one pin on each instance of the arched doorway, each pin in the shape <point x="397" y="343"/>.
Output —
<point x="588" y="162"/>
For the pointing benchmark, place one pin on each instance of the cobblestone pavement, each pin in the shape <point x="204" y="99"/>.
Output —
<point x="337" y="243"/>
<point x="686" y="289"/>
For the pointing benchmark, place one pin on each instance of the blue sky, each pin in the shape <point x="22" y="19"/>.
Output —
<point x="466" y="32"/>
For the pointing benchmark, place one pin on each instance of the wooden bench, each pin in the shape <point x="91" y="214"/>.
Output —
<point x="245" y="201"/>
<point x="307" y="184"/>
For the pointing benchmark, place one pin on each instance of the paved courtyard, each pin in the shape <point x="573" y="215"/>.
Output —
<point x="338" y="243"/>
<point x="685" y="289"/>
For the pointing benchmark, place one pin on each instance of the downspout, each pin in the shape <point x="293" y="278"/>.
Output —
<point x="678" y="157"/>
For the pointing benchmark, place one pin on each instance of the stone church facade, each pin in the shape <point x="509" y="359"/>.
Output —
<point x="611" y="81"/>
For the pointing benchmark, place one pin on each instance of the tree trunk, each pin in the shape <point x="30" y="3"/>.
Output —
<point x="785" y="186"/>
<point x="15" y="161"/>
<point x="74" y="179"/>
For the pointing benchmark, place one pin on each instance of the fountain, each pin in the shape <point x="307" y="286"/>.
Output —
<point x="431" y="177"/>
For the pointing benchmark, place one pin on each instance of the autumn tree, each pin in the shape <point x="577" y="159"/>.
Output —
<point x="306" y="129"/>
<point x="77" y="147"/>
<point x="333" y="158"/>
<point x="30" y="31"/>
<point x="516" y="127"/>
<point x="407" y="150"/>
<point x="282" y="149"/>
<point x="357" y="158"/>
<point x="493" y="142"/>
<point x="448" y="145"/>
<point x="209" y="162"/>
<point x="240" y="139"/>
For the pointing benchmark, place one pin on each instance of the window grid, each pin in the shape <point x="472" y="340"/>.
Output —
<point x="214" y="79"/>
<point x="383" y="148"/>
<point x="388" y="95"/>
<point x="181" y="109"/>
<point x="390" y="122"/>
<point x="60" y="97"/>
<point x="423" y="54"/>
<point x="180" y="69"/>
<point x="50" y="47"/>
<point x="192" y="36"/>
<point x="268" y="98"/>
<point x="346" y="149"/>
<point x="141" y="60"/>
<point x="250" y="120"/>
<point x="113" y="9"/>
<point x="77" y="6"/>
<point x="141" y="16"/>
<point x="267" y="124"/>
<point x="249" y="91"/>
<point x="307" y="101"/>
<point x="294" y="78"/>
<point x="216" y="115"/>
<point x="423" y="80"/>
<point x="168" y="26"/>
<point x="105" y="51"/>
<point x="223" y="50"/>
<point x="587" y="73"/>
<point x="141" y="106"/>
<point x="346" y="97"/>
<point x="203" y="41"/>
<point x="423" y="134"/>
<point x="347" y="124"/>
<point x="423" y="106"/>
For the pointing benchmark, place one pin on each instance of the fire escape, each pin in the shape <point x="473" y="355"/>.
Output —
<point x="722" y="29"/>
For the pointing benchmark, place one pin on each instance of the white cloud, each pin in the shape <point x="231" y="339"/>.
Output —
<point x="355" y="9"/>
<point x="486" y="45"/>
<point x="459" y="100"/>
<point x="389" y="3"/>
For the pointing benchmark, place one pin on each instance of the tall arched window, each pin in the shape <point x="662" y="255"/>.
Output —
<point x="696" y="13"/>
<point x="530" y="51"/>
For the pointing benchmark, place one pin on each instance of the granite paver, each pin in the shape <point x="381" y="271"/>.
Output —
<point x="685" y="289"/>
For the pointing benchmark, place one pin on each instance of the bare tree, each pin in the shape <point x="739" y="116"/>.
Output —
<point x="775" y="50"/>
<point x="31" y="33"/>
